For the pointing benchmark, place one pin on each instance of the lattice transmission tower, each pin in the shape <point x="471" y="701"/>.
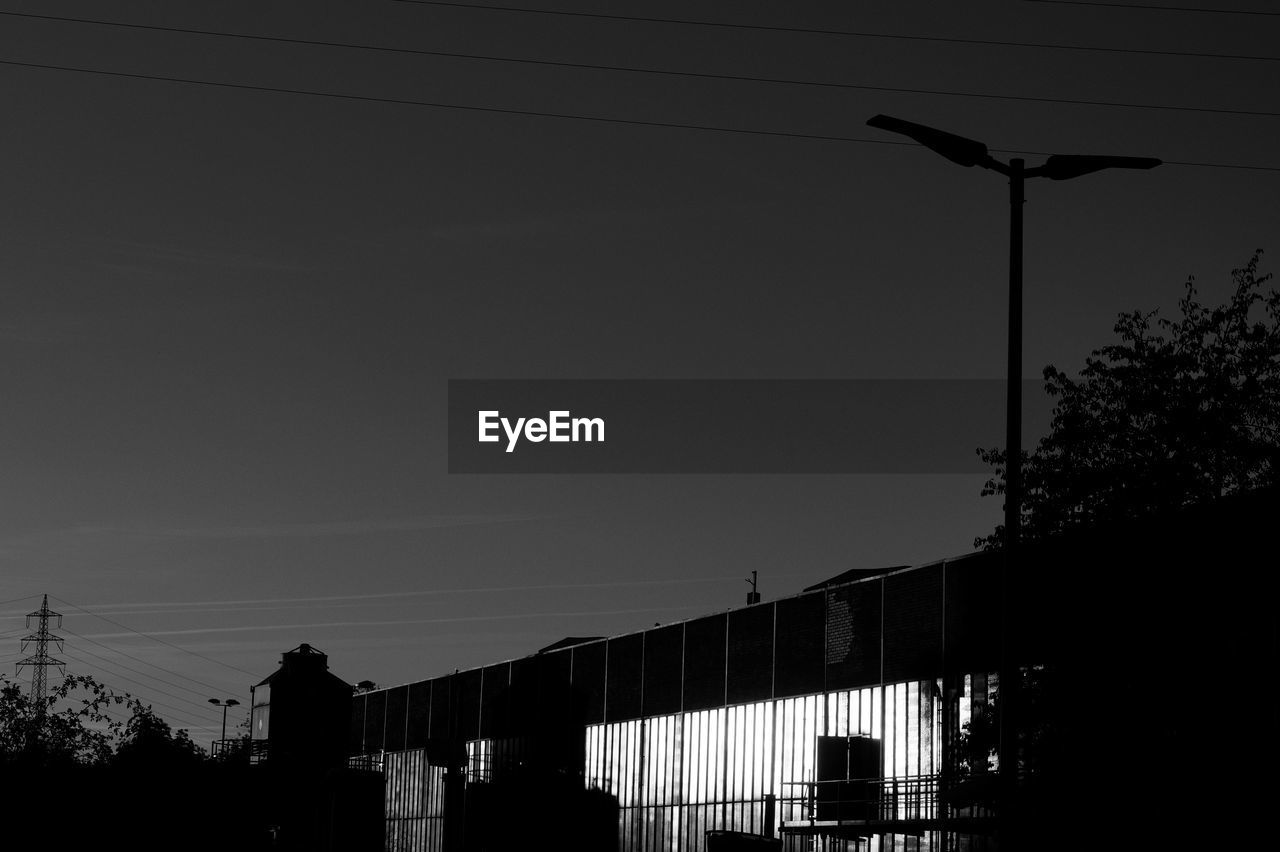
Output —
<point x="40" y="660"/>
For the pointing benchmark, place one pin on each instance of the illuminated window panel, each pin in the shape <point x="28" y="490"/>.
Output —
<point x="414" y="802"/>
<point x="678" y="775"/>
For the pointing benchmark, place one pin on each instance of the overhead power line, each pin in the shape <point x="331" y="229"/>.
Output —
<point x="846" y="33"/>
<point x="1155" y="8"/>
<point x="157" y="639"/>
<point x="526" y="113"/>
<point x="149" y="688"/>
<point x="187" y="725"/>
<point x="175" y="712"/>
<point x="203" y="694"/>
<point x="694" y="22"/>
<point x="441" y="105"/>
<point x="123" y="653"/>
<point x="662" y="72"/>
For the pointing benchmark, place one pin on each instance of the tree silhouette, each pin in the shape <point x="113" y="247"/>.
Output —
<point x="1177" y="412"/>
<point x="78" y="726"/>
<point x="72" y="728"/>
<point x="148" y="742"/>
<point x="97" y="768"/>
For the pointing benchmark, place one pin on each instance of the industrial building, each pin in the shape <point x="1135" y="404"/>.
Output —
<point x="298" y="792"/>
<point x="860" y="714"/>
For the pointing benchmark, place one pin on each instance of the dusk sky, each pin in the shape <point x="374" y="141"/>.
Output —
<point x="230" y="314"/>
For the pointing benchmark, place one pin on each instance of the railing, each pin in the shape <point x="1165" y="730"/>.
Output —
<point x="913" y="798"/>
<point x="240" y="749"/>
<point x="227" y="749"/>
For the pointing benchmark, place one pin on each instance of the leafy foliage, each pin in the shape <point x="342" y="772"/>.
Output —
<point x="93" y="768"/>
<point x="76" y="726"/>
<point x="72" y="726"/>
<point x="977" y="746"/>
<point x="147" y="740"/>
<point x="1177" y="412"/>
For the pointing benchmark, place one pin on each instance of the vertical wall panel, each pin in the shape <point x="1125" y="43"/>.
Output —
<point x="750" y="661"/>
<point x="557" y="718"/>
<point x="554" y="672"/>
<point x="799" y="662"/>
<point x="524" y="696"/>
<point x="419" y="715"/>
<point x="853" y="635"/>
<point x="355" y="744"/>
<point x="495" y="701"/>
<point x="467" y="704"/>
<point x="396" y="714"/>
<point x="623" y="677"/>
<point x="441" y="708"/>
<point x="973" y="614"/>
<point x="663" y="652"/>
<point x="913" y="624"/>
<point x="704" y="662"/>
<point x="374" y="717"/>
<point x="588" y="680"/>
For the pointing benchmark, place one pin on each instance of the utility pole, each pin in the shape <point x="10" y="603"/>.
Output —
<point x="40" y="660"/>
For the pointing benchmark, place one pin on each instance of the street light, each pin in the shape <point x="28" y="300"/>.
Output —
<point x="230" y="702"/>
<point x="969" y="153"/>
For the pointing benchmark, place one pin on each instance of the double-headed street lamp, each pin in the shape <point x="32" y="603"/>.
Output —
<point x="968" y="153"/>
<point x="230" y="702"/>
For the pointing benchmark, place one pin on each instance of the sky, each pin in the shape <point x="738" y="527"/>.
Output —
<point x="230" y="311"/>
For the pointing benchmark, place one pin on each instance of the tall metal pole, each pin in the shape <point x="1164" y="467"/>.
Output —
<point x="224" y="722"/>
<point x="1013" y="423"/>
<point x="1008" y="733"/>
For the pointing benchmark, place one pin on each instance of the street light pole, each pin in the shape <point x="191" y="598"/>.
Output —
<point x="968" y="153"/>
<point x="230" y="702"/>
<point x="1013" y="405"/>
<point x="1006" y="743"/>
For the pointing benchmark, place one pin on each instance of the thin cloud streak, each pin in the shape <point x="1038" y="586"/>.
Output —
<point x="396" y="622"/>
<point x="148" y="608"/>
<point x="220" y="257"/>
<point x="307" y="530"/>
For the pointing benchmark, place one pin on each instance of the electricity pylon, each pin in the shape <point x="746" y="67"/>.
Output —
<point x="40" y="660"/>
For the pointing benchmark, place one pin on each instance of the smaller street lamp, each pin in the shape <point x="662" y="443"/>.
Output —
<point x="230" y="702"/>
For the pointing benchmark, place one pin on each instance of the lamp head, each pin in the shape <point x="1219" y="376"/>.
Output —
<point x="1067" y="166"/>
<point x="957" y="149"/>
